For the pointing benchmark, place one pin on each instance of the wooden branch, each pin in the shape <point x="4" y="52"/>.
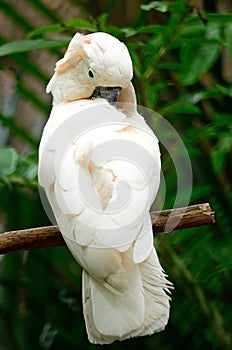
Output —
<point x="49" y="236"/>
<point x="181" y="218"/>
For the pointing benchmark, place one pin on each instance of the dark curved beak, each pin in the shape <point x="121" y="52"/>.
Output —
<point x="111" y="94"/>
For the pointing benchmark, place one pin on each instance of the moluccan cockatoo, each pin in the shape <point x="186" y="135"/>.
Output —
<point x="99" y="164"/>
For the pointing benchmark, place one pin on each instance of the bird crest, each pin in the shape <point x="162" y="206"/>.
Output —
<point x="74" y="54"/>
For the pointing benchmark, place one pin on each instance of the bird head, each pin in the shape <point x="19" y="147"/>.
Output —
<point x="94" y="65"/>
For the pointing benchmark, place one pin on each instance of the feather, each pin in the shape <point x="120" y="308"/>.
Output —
<point x="114" y="315"/>
<point x="155" y="286"/>
<point x="144" y="242"/>
<point x="127" y="101"/>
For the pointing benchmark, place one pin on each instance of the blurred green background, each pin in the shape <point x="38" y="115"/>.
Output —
<point x="182" y="56"/>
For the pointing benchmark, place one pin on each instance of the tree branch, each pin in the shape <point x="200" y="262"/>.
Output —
<point x="49" y="236"/>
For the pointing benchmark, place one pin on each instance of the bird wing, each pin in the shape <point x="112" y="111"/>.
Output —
<point x="108" y="176"/>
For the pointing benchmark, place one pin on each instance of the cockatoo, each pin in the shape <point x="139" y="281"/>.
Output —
<point x="99" y="164"/>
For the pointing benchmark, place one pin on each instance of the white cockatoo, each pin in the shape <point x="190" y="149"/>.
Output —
<point x="99" y="164"/>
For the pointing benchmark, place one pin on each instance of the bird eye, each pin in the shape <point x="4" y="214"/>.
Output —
<point x="91" y="73"/>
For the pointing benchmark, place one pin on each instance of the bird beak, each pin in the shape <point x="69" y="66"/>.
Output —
<point x="111" y="94"/>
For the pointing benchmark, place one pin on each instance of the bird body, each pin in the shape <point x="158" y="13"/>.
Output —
<point x="99" y="164"/>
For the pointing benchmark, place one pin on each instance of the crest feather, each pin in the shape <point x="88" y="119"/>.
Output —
<point x="74" y="54"/>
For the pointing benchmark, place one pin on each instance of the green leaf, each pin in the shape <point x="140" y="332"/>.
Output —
<point x="27" y="168"/>
<point x="115" y="31"/>
<point x="78" y="23"/>
<point x="8" y="162"/>
<point x="31" y="172"/>
<point x="28" y="45"/>
<point x="160" y="33"/>
<point x="102" y="21"/>
<point x="129" y="32"/>
<point x="197" y="58"/>
<point x="156" y="5"/>
<point x="198" y="96"/>
<point x="136" y="61"/>
<point x="48" y="29"/>
<point x="155" y="29"/>
<point x="219" y="18"/>
<point x="225" y="144"/>
<point x="219" y="153"/>
<point x="213" y="18"/>
<point x="218" y="160"/>
<point x="224" y="90"/>
<point x="194" y="43"/>
<point x="169" y="65"/>
<point x="179" y="107"/>
<point x="192" y="30"/>
<point x="81" y="24"/>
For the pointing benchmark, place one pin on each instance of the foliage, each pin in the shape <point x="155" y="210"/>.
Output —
<point x="177" y="57"/>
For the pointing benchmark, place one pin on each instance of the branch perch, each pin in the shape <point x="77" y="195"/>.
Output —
<point x="50" y="236"/>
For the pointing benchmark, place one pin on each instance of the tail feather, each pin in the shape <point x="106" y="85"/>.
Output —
<point x="156" y="293"/>
<point x="109" y="316"/>
<point x="156" y="289"/>
<point x="94" y="336"/>
<point x="141" y="310"/>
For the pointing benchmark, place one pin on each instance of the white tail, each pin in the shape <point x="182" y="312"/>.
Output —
<point x="143" y="308"/>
